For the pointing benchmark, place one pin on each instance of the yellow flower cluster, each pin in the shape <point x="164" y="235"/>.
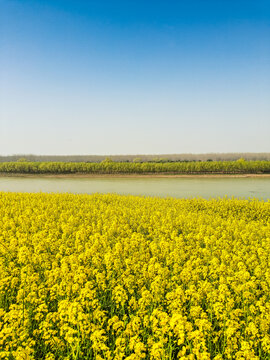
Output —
<point x="123" y="277"/>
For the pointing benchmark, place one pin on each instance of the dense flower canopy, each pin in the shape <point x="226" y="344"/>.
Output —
<point x="124" y="277"/>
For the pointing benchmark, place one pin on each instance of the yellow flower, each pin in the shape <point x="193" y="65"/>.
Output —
<point x="123" y="277"/>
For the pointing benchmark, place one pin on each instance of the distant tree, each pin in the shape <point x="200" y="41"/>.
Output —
<point x="106" y="161"/>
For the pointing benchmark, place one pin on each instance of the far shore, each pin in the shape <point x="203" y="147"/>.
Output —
<point x="147" y="175"/>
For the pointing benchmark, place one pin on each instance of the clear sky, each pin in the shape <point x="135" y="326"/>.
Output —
<point x="134" y="76"/>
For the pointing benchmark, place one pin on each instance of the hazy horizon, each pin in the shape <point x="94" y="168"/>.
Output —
<point x="117" y="78"/>
<point x="129" y="154"/>
<point x="137" y="157"/>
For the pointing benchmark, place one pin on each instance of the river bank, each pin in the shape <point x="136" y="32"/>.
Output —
<point x="146" y="175"/>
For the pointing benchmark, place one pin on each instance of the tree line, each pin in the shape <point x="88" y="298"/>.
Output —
<point x="139" y="157"/>
<point x="109" y="167"/>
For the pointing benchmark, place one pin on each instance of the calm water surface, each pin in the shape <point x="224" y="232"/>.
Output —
<point x="163" y="187"/>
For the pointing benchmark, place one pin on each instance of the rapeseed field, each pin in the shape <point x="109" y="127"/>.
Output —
<point x="123" y="277"/>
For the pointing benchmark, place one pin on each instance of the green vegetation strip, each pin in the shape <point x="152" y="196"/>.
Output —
<point x="110" y="167"/>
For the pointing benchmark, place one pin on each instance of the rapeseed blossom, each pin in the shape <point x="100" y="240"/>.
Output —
<point x="122" y="277"/>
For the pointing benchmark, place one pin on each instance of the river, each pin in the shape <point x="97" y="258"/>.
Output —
<point x="249" y="187"/>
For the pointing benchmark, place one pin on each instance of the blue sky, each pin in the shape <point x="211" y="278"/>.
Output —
<point x="134" y="77"/>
